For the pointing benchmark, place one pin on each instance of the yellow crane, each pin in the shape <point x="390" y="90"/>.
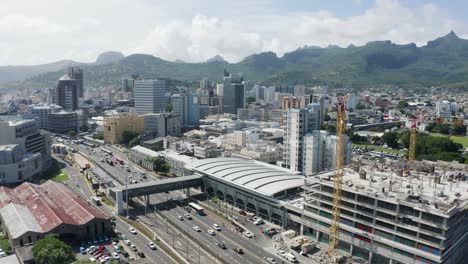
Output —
<point x="337" y="181"/>
<point x="412" y="146"/>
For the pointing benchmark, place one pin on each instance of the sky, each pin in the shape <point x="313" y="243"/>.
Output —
<point x="42" y="31"/>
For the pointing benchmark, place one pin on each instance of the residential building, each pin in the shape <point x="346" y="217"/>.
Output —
<point x="41" y="112"/>
<point x="320" y="152"/>
<point x="268" y="153"/>
<point x="76" y="73"/>
<point x="114" y="126"/>
<point x="27" y="135"/>
<point x="207" y="150"/>
<point x="162" y="124"/>
<point x="234" y="93"/>
<point x="295" y="102"/>
<point x="30" y="211"/>
<point x="207" y="110"/>
<point x="299" y="122"/>
<point x="62" y="122"/>
<point x="65" y="93"/>
<point x="149" y="96"/>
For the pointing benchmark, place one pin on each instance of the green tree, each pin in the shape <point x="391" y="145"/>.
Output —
<point x="168" y="108"/>
<point x="99" y="136"/>
<point x="250" y="100"/>
<point x="360" y="106"/>
<point x="134" y="142"/>
<point x="402" y="104"/>
<point x="71" y="133"/>
<point x="127" y="136"/>
<point x="83" y="261"/>
<point x="459" y="130"/>
<point x="326" y="117"/>
<point x="391" y="139"/>
<point x="376" y="140"/>
<point x="331" y="128"/>
<point x="51" y="250"/>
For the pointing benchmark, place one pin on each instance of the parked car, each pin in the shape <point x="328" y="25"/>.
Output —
<point x="141" y="254"/>
<point x="115" y="255"/>
<point x="127" y="242"/>
<point x="133" y="247"/>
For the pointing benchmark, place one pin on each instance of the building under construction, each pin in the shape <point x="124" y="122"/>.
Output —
<point x="390" y="213"/>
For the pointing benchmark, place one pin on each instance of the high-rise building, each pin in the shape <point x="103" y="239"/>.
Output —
<point x="296" y="102"/>
<point x="65" y="93"/>
<point x="234" y="93"/>
<point x="76" y="73"/>
<point x="150" y="96"/>
<point x="187" y="107"/>
<point x="299" y="122"/>
<point x="320" y="152"/>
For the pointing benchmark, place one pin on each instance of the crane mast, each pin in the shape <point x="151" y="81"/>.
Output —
<point x="337" y="181"/>
<point x="412" y="148"/>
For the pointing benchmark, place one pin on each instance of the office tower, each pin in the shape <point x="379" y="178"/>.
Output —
<point x="62" y="122"/>
<point x="296" y="102"/>
<point x="320" y="152"/>
<point x="76" y="73"/>
<point x="299" y="122"/>
<point x="234" y="93"/>
<point x="127" y="84"/>
<point x="187" y="107"/>
<point x="150" y="96"/>
<point x="66" y="93"/>
<point x="40" y="113"/>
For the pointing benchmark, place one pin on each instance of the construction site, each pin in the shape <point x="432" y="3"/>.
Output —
<point x="391" y="214"/>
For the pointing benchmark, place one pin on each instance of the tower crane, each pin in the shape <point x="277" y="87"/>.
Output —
<point x="338" y="179"/>
<point x="414" y="125"/>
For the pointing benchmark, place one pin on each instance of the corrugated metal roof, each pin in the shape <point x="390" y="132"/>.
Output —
<point x="256" y="176"/>
<point x="41" y="208"/>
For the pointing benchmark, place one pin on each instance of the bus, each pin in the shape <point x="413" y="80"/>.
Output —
<point x="106" y="151"/>
<point x="119" y="160"/>
<point x="88" y="144"/>
<point x="196" y="208"/>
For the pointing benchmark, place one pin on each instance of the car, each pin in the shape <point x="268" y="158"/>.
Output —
<point x="238" y="250"/>
<point x="221" y="245"/>
<point x="282" y="253"/>
<point x="125" y="254"/>
<point x="127" y="242"/>
<point x="91" y="249"/>
<point x="102" y="160"/>
<point x="248" y="234"/>
<point x="106" y="259"/>
<point x="132" y="230"/>
<point x="123" y="237"/>
<point x="90" y="242"/>
<point x="83" y="250"/>
<point x="216" y="227"/>
<point x="259" y="221"/>
<point x="196" y="228"/>
<point x="151" y="245"/>
<point x="106" y="238"/>
<point x="239" y="229"/>
<point x="92" y="259"/>
<point x="211" y="232"/>
<point x="95" y="241"/>
<point x="242" y="212"/>
<point x="133" y="247"/>
<point x="115" y="255"/>
<point x="141" y="254"/>
<point x="114" y="243"/>
<point x="99" y="255"/>
<point x="117" y="250"/>
<point x="180" y="217"/>
<point x="271" y="261"/>
<point x="3" y="254"/>
<point x="188" y="216"/>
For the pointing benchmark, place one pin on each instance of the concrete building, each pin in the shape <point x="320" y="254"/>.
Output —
<point x="320" y="152"/>
<point x="386" y="218"/>
<point x="114" y="126"/>
<point x="65" y="93"/>
<point x="29" y="212"/>
<point x="41" y="112"/>
<point x="62" y="122"/>
<point x="234" y="93"/>
<point x="206" y="151"/>
<point x="187" y="107"/>
<point x="443" y="109"/>
<point x="16" y="166"/>
<point x="162" y="124"/>
<point x="295" y="102"/>
<point x="299" y="123"/>
<point x="76" y="73"/>
<point x="143" y="157"/>
<point x="268" y="154"/>
<point x="207" y="110"/>
<point x="149" y="96"/>
<point x="27" y="135"/>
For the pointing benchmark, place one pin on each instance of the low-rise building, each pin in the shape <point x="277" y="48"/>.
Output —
<point x="114" y="126"/>
<point x="162" y="124"/>
<point x="143" y="157"/>
<point x="29" y="212"/>
<point x="17" y="166"/>
<point x="41" y="113"/>
<point x="207" y="151"/>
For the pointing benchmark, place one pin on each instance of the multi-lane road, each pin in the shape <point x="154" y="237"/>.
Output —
<point x="167" y="225"/>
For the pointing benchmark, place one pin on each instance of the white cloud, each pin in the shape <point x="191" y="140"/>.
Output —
<point x="48" y="30"/>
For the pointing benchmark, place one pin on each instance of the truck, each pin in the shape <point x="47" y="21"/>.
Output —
<point x="109" y="161"/>
<point x="96" y="200"/>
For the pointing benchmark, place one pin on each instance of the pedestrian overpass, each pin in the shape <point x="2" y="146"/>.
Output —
<point x="153" y="187"/>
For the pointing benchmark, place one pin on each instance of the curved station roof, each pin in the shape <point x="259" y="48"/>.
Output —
<point x="256" y="176"/>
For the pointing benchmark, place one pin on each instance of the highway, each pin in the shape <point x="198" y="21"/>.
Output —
<point x="253" y="249"/>
<point x="78" y="185"/>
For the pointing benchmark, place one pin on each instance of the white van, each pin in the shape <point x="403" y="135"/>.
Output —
<point x="96" y="200"/>
<point x="290" y="257"/>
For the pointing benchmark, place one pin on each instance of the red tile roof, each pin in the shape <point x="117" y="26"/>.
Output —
<point x="51" y="204"/>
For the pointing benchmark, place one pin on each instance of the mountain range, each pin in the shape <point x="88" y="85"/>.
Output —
<point x="443" y="61"/>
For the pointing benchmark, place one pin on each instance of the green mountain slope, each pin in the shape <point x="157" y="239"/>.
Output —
<point x="379" y="63"/>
